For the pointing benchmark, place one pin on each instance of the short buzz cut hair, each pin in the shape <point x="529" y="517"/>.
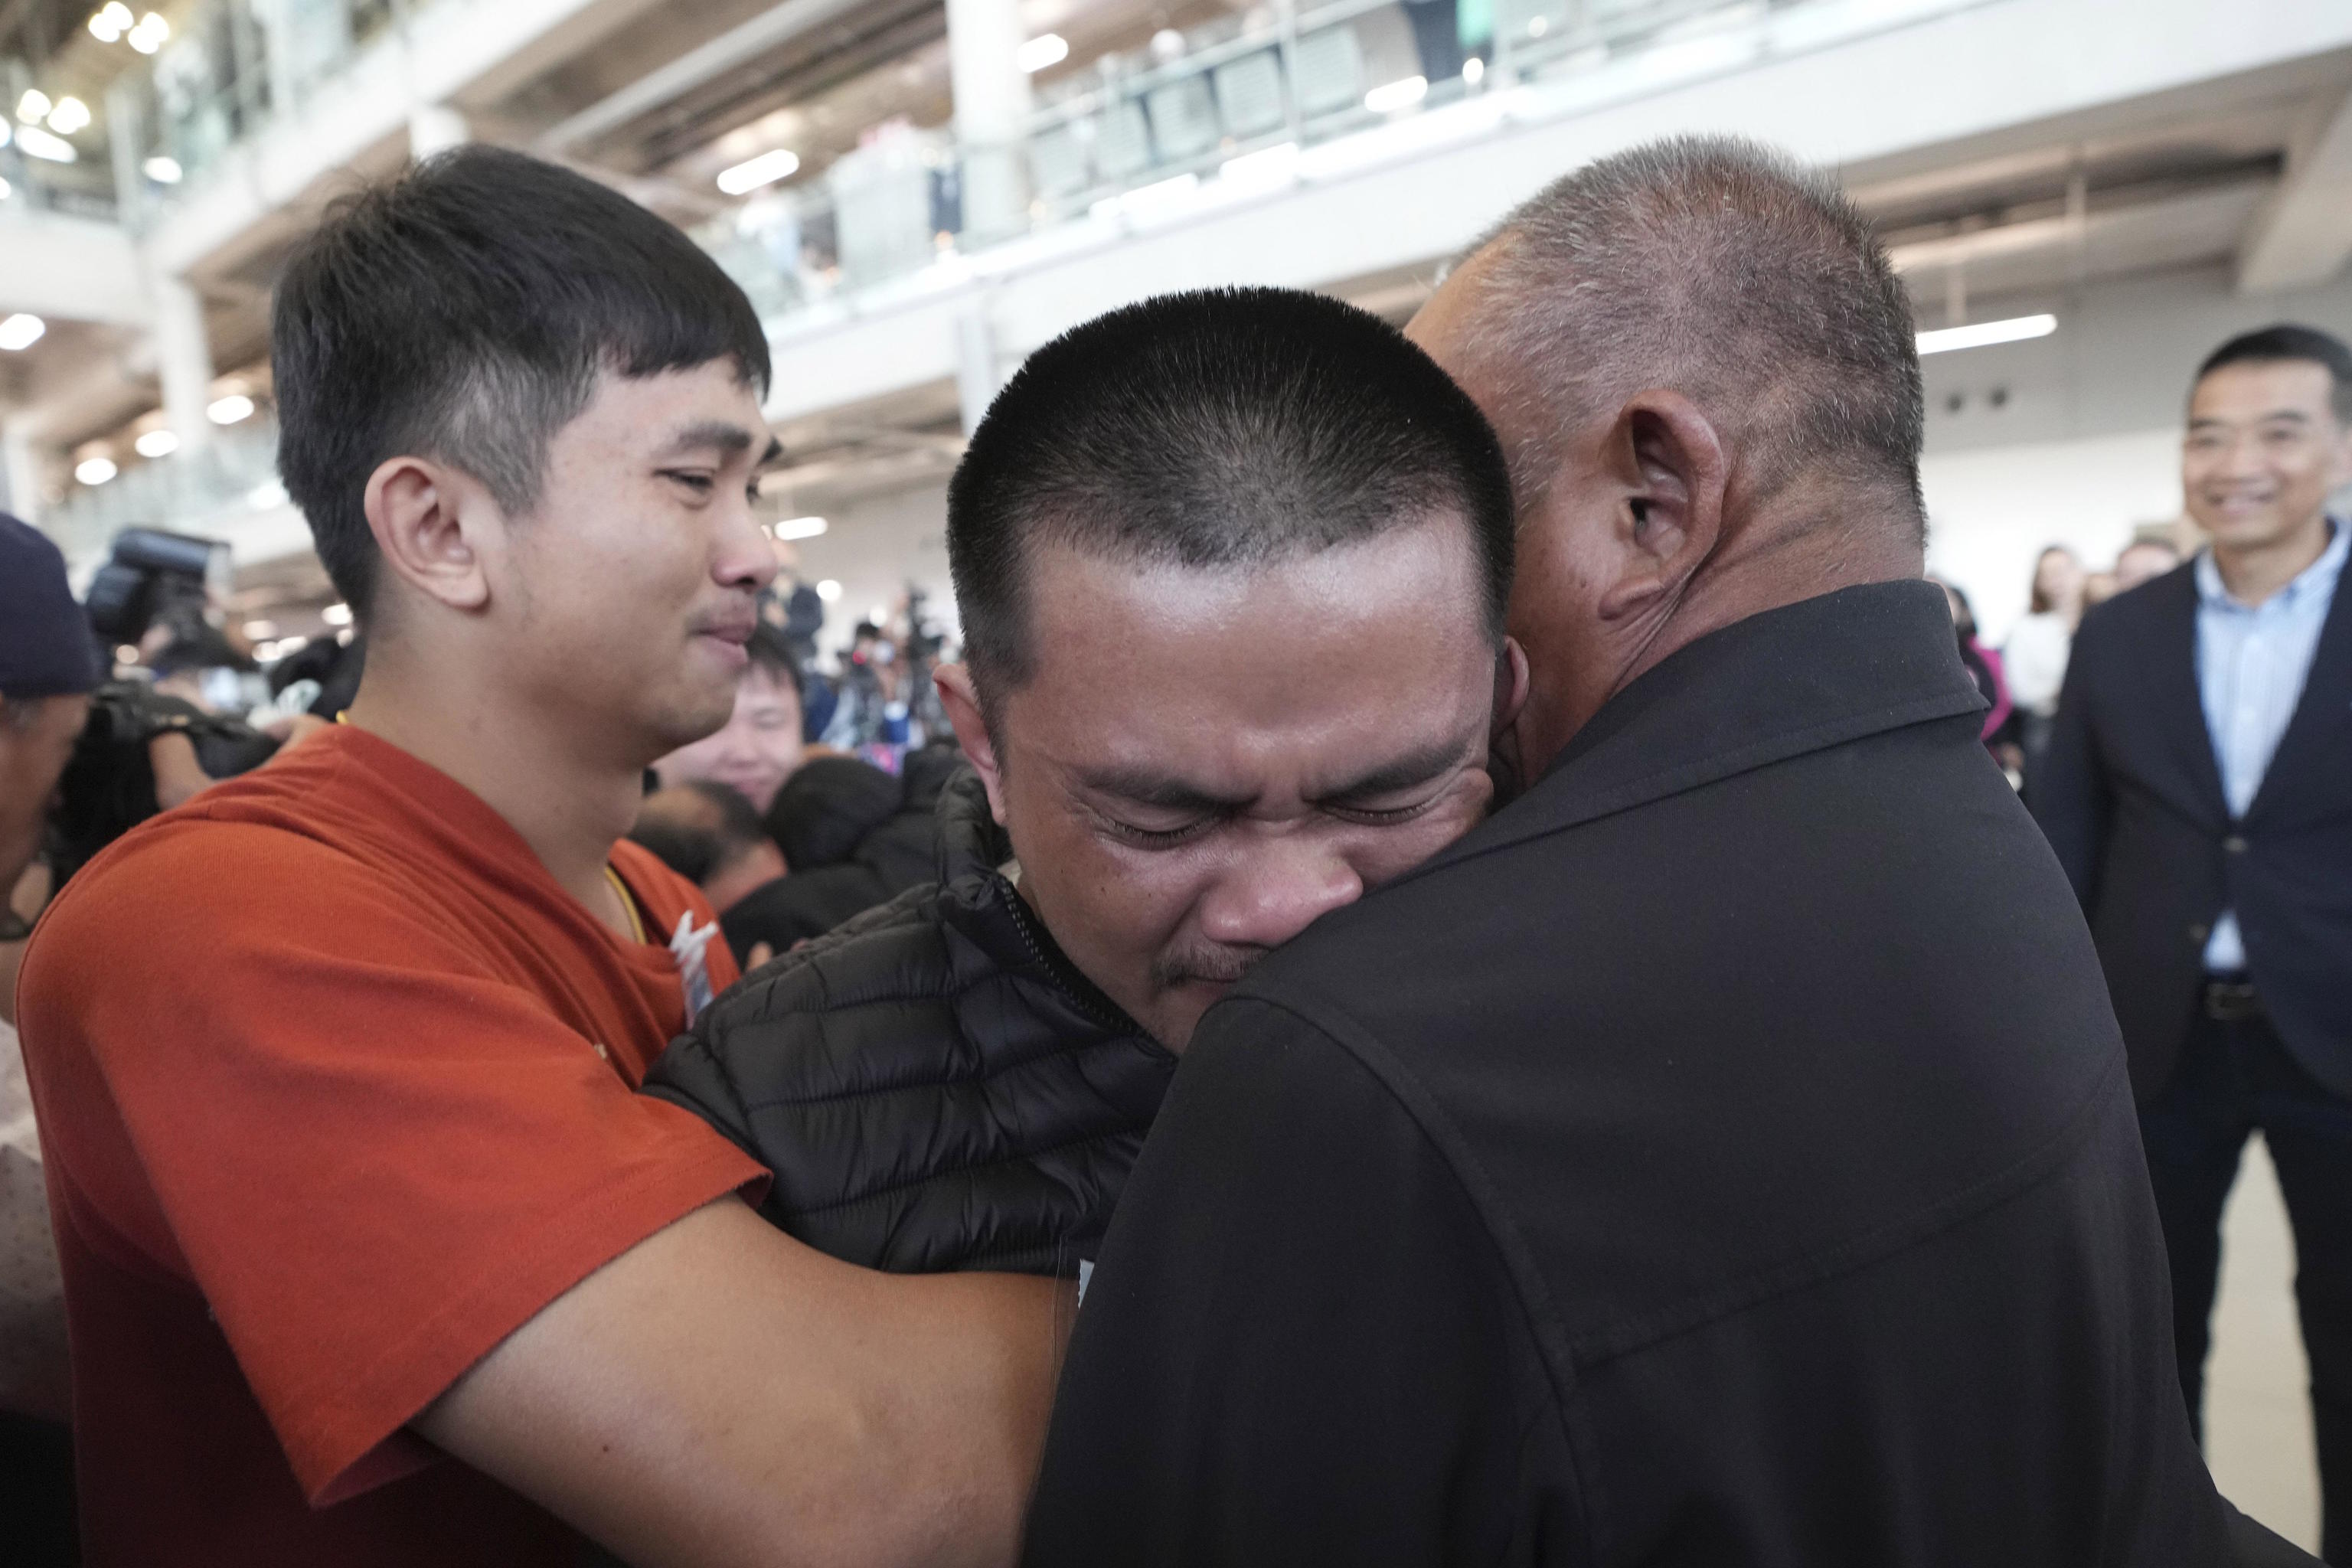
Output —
<point x="463" y="311"/>
<point x="1235" y="427"/>
<point x="2290" y="342"/>
<point x="1722" y="269"/>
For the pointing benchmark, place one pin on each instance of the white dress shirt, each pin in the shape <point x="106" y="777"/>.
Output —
<point x="2034" y="660"/>
<point x="2251" y="661"/>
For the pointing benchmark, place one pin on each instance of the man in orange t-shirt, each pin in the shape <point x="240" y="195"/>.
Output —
<point x="335" y="1066"/>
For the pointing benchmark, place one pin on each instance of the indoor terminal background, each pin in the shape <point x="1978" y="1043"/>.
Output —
<point x="2085" y="197"/>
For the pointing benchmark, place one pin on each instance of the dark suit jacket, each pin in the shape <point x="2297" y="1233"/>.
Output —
<point x="1723" y="1156"/>
<point x="2131" y="798"/>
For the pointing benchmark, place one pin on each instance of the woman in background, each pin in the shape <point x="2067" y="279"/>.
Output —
<point x="2034" y="658"/>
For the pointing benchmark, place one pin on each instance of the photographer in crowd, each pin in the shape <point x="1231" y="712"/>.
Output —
<point x="48" y="664"/>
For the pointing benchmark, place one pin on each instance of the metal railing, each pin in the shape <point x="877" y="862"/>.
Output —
<point x="233" y="476"/>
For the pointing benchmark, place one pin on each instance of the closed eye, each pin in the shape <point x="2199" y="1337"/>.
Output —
<point x="701" y="484"/>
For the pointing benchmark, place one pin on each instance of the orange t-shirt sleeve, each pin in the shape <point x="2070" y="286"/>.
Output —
<point x="376" y="1158"/>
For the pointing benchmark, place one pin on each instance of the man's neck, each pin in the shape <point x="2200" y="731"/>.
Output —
<point x="569" y="809"/>
<point x="2252" y="572"/>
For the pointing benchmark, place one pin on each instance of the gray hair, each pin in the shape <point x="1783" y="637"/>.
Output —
<point x="1721" y="269"/>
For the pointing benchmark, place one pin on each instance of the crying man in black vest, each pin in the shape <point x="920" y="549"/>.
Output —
<point x="1231" y="569"/>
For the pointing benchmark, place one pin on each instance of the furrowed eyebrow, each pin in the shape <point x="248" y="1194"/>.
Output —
<point x="1157" y="790"/>
<point x="707" y="436"/>
<point x="1417" y="767"/>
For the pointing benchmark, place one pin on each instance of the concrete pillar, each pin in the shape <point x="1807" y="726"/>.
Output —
<point x="977" y="382"/>
<point x="436" y="128"/>
<point x="184" y="362"/>
<point x="991" y="109"/>
<point x="20" y="472"/>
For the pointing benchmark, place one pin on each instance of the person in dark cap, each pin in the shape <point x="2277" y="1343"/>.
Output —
<point x="48" y="663"/>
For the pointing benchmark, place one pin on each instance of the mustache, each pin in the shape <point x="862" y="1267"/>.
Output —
<point x="1212" y="965"/>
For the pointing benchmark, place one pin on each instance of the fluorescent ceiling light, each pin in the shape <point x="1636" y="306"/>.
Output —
<point x="336" y="614"/>
<point x="799" y="528"/>
<point x="765" y="170"/>
<point x="164" y="171"/>
<point x="21" y="331"/>
<point x="35" y="143"/>
<point x="1391" y="96"/>
<point x="1474" y="70"/>
<point x="69" y="116"/>
<point x="94" y="471"/>
<point x="158" y="444"/>
<point x="2016" y="329"/>
<point x="1045" y="49"/>
<point x="829" y="590"/>
<point x="152" y="33"/>
<point x="230" y="409"/>
<point x="34" y="106"/>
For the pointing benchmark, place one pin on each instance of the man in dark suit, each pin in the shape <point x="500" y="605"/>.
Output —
<point x="1655" y="1176"/>
<point x="2198" y="792"/>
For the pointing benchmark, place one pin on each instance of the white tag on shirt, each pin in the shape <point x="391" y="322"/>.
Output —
<point x="687" y="945"/>
<point x="1086" y="1277"/>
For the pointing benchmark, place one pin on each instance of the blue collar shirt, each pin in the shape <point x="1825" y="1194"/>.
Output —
<point x="2251" y="662"/>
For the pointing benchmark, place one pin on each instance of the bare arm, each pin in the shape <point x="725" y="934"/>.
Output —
<point x="721" y="1395"/>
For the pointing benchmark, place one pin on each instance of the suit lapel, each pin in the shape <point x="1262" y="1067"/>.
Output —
<point x="2179" y="702"/>
<point x="2326" y="694"/>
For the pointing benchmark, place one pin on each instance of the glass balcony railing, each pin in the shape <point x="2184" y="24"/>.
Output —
<point x="206" y="491"/>
<point x="1237" y="107"/>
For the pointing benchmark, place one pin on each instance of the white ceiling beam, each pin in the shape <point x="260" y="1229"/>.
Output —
<point x="2304" y="236"/>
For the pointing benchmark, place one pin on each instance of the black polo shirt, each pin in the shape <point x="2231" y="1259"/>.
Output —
<point x="1723" y="1156"/>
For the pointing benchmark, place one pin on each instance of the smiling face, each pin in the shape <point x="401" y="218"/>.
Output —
<point x="633" y="580"/>
<point x="758" y="747"/>
<point x="2264" y="447"/>
<point x="1203" y="762"/>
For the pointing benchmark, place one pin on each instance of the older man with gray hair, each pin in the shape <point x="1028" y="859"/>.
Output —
<point x="1653" y="1176"/>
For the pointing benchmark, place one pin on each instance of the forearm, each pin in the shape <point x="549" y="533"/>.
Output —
<point x="793" y="1410"/>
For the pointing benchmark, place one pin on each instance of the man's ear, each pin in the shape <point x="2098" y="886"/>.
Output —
<point x="1510" y="684"/>
<point x="961" y="700"/>
<point x="424" y="515"/>
<point x="1670" y="460"/>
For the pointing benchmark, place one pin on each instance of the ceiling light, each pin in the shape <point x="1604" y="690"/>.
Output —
<point x="765" y="170"/>
<point x="152" y="33"/>
<point x="829" y="590"/>
<point x="336" y="614"/>
<point x="111" y="22"/>
<point x="799" y="528"/>
<point x="34" y="106"/>
<point x="157" y="443"/>
<point x="37" y="143"/>
<point x="21" y="331"/>
<point x="1045" y="49"/>
<point x="70" y="115"/>
<point x="2016" y="329"/>
<point x="94" y="471"/>
<point x="1393" y="95"/>
<point x="164" y="171"/>
<point x="1474" y="70"/>
<point x="230" y="409"/>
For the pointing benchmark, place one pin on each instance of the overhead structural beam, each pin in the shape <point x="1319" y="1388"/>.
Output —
<point x="696" y="67"/>
<point x="2304" y="236"/>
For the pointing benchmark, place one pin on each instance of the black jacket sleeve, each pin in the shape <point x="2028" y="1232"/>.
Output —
<point x="1300" y="1344"/>
<point x="923" y="1106"/>
<point x="2069" y="795"/>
